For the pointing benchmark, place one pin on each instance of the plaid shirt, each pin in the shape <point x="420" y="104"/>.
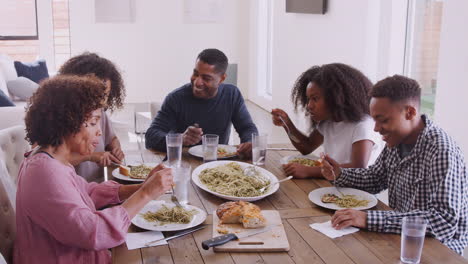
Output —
<point x="430" y="182"/>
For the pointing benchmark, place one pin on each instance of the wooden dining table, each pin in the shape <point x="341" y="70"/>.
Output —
<point x="297" y="213"/>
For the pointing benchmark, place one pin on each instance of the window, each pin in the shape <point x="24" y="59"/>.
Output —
<point x="264" y="48"/>
<point x="422" y="48"/>
<point x="18" y="20"/>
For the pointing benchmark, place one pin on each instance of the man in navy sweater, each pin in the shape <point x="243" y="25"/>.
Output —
<point x="207" y="102"/>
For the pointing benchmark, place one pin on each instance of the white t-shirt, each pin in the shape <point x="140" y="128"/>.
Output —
<point x="338" y="138"/>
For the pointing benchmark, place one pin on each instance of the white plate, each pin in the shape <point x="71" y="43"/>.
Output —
<point x="285" y="160"/>
<point x="153" y="206"/>
<point x="316" y="197"/>
<point x="117" y="174"/>
<point x="199" y="169"/>
<point x="197" y="151"/>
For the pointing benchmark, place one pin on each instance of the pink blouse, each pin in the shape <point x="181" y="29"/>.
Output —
<point x="58" y="216"/>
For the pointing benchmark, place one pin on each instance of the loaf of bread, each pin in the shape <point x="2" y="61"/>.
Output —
<point x="248" y="214"/>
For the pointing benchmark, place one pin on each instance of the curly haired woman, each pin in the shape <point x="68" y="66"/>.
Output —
<point x="59" y="216"/>
<point x="336" y="98"/>
<point x="108" y="149"/>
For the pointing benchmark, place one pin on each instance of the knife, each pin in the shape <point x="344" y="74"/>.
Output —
<point x="221" y="240"/>
<point x="183" y="233"/>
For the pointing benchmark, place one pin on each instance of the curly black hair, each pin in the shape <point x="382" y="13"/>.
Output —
<point x="345" y="89"/>
<point x="397" y="88"/>
<point x="104" y="69"/>
<point x="214" y="57"/>
<point x="60" y="106"/>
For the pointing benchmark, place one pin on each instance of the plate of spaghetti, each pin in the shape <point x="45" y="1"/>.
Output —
<point x="331" y="198"/>
<point x="224" y="151"/>
<point x="160" y="215"/>
<point x="228" y="180"/>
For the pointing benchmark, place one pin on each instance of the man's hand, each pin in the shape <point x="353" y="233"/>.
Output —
<point x="192" y="136"/>
<point x="331" y="170"/>
<point x="349" y="217"/>
<point x="104" y="158"/>
<point x="297" y="170"/>
<point x="244" y="150"/>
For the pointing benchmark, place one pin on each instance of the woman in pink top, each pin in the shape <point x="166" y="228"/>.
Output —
<point x="60" y="217"/>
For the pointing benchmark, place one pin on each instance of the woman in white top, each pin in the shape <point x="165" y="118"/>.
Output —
<point x="336" y="98"/>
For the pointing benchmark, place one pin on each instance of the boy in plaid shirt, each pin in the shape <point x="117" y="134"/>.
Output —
<point x="422" y="167"/>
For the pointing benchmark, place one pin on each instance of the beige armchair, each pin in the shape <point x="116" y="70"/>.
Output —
<point x="12" y="149"/>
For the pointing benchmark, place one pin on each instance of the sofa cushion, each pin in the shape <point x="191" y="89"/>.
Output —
<point x="13" y="145"/>
<point x="7" y="67"/>
<point x="22" y="87"/>
<point x="35" y="71"/>
<point x="12" y="116"/>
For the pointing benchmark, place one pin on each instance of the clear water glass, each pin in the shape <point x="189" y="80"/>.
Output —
<point x="259" y="146"/>
<point x="181" y="181"/>
<point x="413" y="231"/>
<point x="210" y="147"/>
<point x="174" y="148"/>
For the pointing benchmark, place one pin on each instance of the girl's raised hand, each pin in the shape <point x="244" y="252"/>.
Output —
<point x="276" y="114"/>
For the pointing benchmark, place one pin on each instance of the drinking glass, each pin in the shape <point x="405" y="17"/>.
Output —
<point x="181" y="181"/>
<point x="174" y="149"/>
<point x="413" y="231"/>
<point x="210" y="147"/>
<point x="259" y="145"/>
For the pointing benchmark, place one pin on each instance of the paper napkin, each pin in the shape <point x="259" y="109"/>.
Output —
<point x="138" y="240"/>
<point x="327" y="229"/>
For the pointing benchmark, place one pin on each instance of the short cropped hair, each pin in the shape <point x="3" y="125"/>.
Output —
<point x="91" y="63"/>
<point x="214" y="57"/>
<point x="397" y="88"/>
<point x="60" y="106"/>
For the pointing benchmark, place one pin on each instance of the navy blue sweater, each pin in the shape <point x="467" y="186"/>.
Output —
<point x="181" y="109"/>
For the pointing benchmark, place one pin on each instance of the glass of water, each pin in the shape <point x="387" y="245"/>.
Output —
<point x="259" y="146"/>
<point x="413" y="231"/>
<point x="210" y="147"/>
<point x="181" y="181"/>
<point x="174" y="149"/>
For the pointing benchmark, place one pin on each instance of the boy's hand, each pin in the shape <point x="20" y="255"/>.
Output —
<point x="349" y="217"/>
<point x="331" y="170"/>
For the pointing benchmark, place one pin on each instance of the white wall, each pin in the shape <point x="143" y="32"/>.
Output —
<point x="157" y="53"/>
<point x="350" y="32"/>
<point x="452" y="81"/>
<point x="46" y="33"/>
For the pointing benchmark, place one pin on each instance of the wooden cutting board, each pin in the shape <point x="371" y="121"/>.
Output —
<point x="270" y="241"/>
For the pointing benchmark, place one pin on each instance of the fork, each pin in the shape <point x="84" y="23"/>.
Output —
<point x="290" y="135"/>
<point x="271" y="184"/>
<point x="322" y="157"/>
<point x="174" y="198"/>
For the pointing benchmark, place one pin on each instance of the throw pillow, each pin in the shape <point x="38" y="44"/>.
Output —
<point x="35" y="71"/>
<point x="8" y="68"/>
<point x="5" y="100"/>
<point x="3" y="83"/>
<point x="22" y="87"/>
